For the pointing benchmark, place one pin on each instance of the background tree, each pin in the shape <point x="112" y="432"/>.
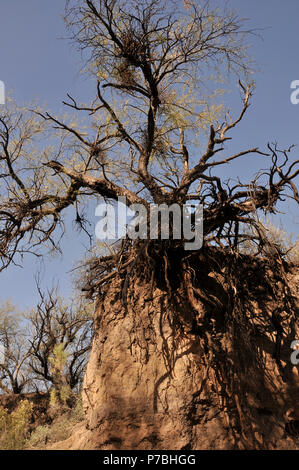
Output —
<point x="34" y="342"/>
<point x="15" y="374"/>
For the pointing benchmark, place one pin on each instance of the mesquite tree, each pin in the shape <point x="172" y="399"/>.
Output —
<point x="55" y="326"/>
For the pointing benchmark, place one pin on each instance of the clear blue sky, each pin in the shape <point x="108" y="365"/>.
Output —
<point x="35" y="63"/>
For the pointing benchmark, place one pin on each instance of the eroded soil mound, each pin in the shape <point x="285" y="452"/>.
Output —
<point x="197" y="359"/>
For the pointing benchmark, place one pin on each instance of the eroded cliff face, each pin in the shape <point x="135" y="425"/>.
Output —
<point x="155" y="381"/>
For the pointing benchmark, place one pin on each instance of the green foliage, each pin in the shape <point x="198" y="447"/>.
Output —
<point x="53" y="398"/>
<point x="14" y="370"/>
<point x="14" y="427"/>
<point x="39" y="436"/>
<point x="59" y="430"/>
<point x="65" y="393"/>
<point x="61" y="392"/>
<point x="60" y="396"/>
